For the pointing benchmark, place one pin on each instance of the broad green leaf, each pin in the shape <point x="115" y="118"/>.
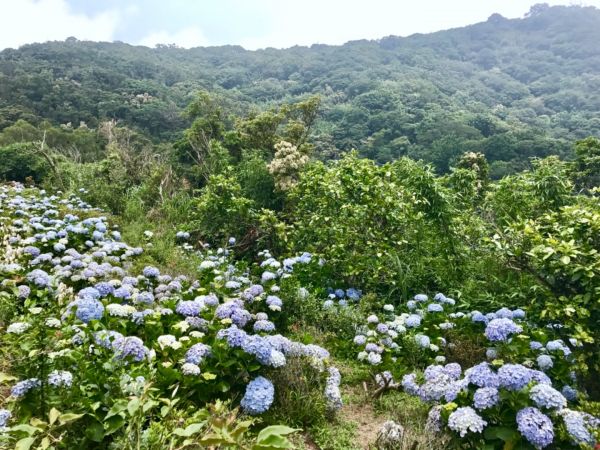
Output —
<point x="30" y="430"/>
<point x="69" y="417"/>
<point x="53" y="415"/>
<point x="189" y="430"/>
<point x="133" y="406"/>
<point x="25" y="443"/>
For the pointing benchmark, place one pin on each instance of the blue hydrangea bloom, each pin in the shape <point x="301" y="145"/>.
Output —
<point x="5" y="416"/>
<point x="197" y="353"/>
<point x="535" y="345"/>
<point x="577" y="427"/>
<point x="422" y="340"/>
<point x="485" y="398"/>
<point x="499" y="330"/>
<point x="535" y="426"/>
<point x="151" y="272"/>
<point x="413" y="321"/>
<point x="569" y="392"/>
<point x="88" y="309"/>
<point x="23" y="387"/>
<point x="264" y="325"/>
<point x="435" y="307"/>
<point x="131" y="346"/>
<point x="545" y="396"/>
<point x="482" y="375"/>
<point x="60" y="378"/>
<point x="545" y="362"/>
<point x="514" y="377"/>
<point x="188" y="308"/>
<point x="258" y="397"/>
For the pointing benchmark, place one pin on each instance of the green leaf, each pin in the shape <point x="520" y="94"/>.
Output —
<point x="189" y="430"/>
<point x="4" y="377"/>
<point x="208" y="376"/>
<point x="95" y="432"/>
<point x="117" y="408"/>
<point x="25" y="443"/>
<point x="504" y="433"/>
<point x="26" y="429"/>
<point x="45" y="443"/>
<point x="113" y="423"/>
<point x="272" y="437"/>
<point x="133" y="406"/>
<point x="69" y="417"/>
<point x="53" y="415"/>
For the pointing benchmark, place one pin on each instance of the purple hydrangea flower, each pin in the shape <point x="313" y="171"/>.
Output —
<point x="535" y="426"/>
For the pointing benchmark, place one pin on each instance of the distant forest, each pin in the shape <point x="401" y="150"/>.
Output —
<point x="510" y="89"/>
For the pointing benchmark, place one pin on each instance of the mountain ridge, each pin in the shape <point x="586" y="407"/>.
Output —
<point x="533" y="79"/>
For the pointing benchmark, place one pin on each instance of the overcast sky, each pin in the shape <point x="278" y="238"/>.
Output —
<point x="250" y="23"/>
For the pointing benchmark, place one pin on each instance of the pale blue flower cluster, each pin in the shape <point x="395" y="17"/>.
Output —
<point x="464" y="420"/>
<point x="258" y="397"/>
<point x="535" y="426"/>
<point x="501" y="329"/>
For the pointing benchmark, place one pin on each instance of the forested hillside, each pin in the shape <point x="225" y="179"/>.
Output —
<point x="511" y="89"/>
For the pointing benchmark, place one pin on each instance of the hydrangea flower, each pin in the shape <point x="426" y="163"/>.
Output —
<point x="88" y="309"/>
<point x="545" y="396"/>
<point x="189" y="308"/>
<point x="535" y="345"/>
<point x="435" y="307"/>
<point x="434" y="419"/>
<point x="482" y="375"/>
<point x="514" y="377"/>
<point x="23" y="387"/>
<point x="5" y="416"/>
<point x="464" y="420"/>
<point x="258" y="397"/>
<point x="372" y="319"/>
<point x="197" y="353"/>
<point x="18" y="327"/>
<point x="264" y="325"/>
<point x="190" y="369"/>
<point x="332" y="393"/>
<point x="151" y="272"/>
<point x="499" y="330"/>
<point x="435" y="388"/>
<point x="23" y="292"/>
<point x="545" y="362"/>
<point x="535" y="426"/>
<point x="60" y="378"/>
<point x="577" y="427"/>
<point x="131" y="346"/>
<point x="485" y="398"/>
<point x="413" y="321"/>
<point x="374" y="358"/>
<point x="409" y="384"/>
<point x="360" y="339"/>
<point x="569" y="393"/>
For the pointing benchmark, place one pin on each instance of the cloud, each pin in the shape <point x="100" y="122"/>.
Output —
<point x="27" y="21"/>
<point x="186" y="38"/>
<point x="338" y="21"/>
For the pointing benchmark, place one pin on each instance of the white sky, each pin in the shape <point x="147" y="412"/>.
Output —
<point x="250" y="23"/>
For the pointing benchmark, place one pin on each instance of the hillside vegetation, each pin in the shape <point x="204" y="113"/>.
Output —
<point x="218" y="270"/>
<point x="511" y="89"/>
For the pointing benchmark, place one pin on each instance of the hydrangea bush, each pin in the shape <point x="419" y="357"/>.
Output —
<point x="82" y="322"/>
